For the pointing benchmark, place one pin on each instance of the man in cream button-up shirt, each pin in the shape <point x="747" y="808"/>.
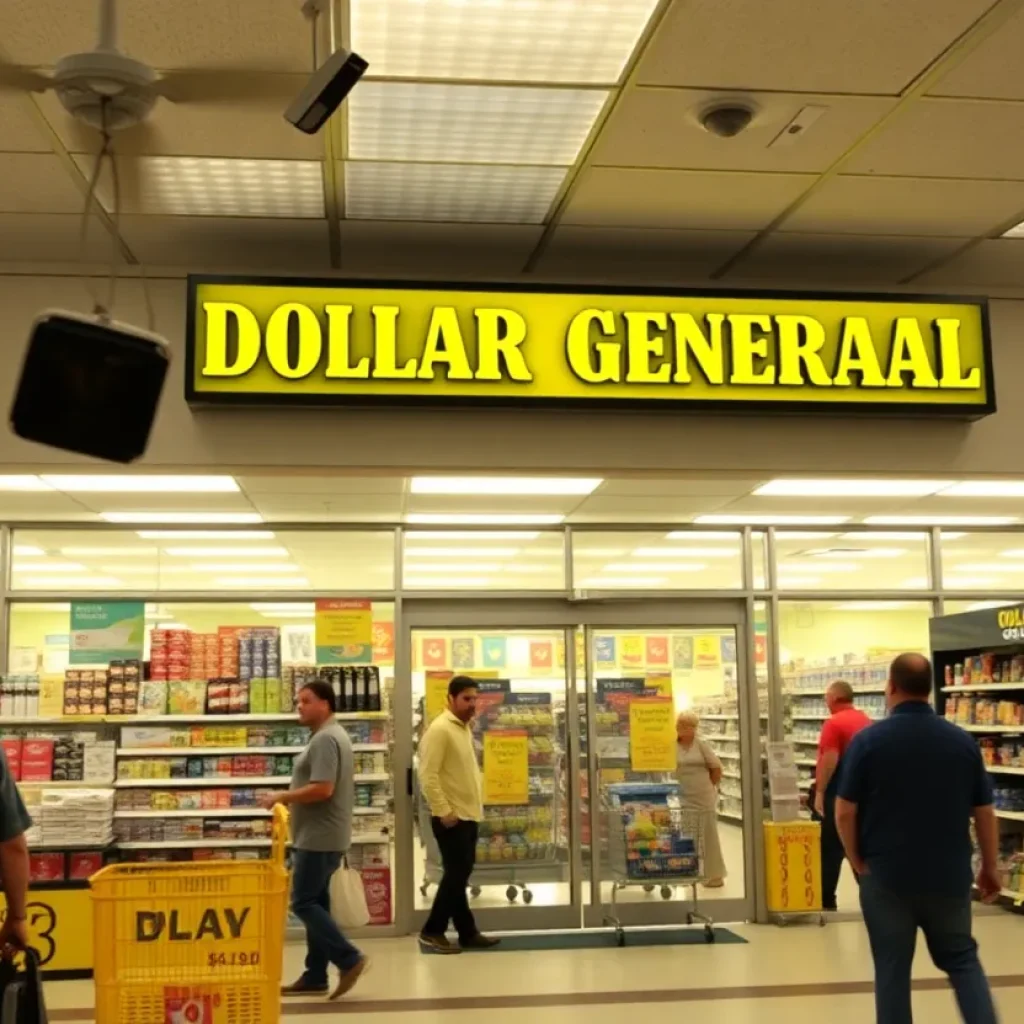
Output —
<point x="450" y="780"/>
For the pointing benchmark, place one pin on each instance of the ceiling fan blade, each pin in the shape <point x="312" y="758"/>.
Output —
<point x="23" y="79"/>
<point x="227" y="87"/>
<point x="127" y="149"/>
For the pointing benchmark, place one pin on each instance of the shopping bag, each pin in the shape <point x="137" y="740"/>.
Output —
<point x="348" y="899"/>
<point x="21" y="992"/>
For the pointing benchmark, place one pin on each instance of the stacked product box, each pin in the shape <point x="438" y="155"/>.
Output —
<point x="205" y="656"/>
<point x="226" y="798"/>
<point x="19" y="696"/>
<point x="972" y="710"/>
<point x="221" y="767"/>
<point x="190" y="830"/>
<point x="123" y="680"/>
<point x="195" y="737"/>
<point x="170" y="654"/>
<point x="85" y="691"/>
<point x="67" y="757"/>
<point x="60" y="867"/>
<point x="982" y="669"/>
<point x="1002" y="753"/>
<point x="356" y="687"/>
<point x="76" y="817"/>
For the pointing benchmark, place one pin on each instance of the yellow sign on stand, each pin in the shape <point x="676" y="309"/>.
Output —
<point x="435" y="697"/>
<point x="793" y="866"/>
<point x="506" y="767"/>
<point x="59" y="928"/>
<point x="344" y="632"/>
<point x="652" y="735"/>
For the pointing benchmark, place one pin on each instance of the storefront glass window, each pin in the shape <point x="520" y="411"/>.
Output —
<point x="679" y="560"/>
<point x="851" y="561"/>
<point x="982" y="561"/>
<point x="155" y="560"/>
<point x="483" y="560"/>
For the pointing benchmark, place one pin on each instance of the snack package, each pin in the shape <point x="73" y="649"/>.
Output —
<point x="153" y="697"/>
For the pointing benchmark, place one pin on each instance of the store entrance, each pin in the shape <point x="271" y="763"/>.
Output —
<point x="567" y="692"/>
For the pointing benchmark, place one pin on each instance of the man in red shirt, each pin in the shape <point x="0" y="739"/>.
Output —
<point x="837" y="732"/>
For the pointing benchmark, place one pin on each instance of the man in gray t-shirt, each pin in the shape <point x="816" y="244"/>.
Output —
<point x="321" y="799"/>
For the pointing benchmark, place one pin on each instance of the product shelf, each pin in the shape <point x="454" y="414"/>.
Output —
<point x="1010" y="815"/>
<point x="203" y="751"/>
<point x="1001" y="769"/>
<point x="992" y="728"/>
<point x="229" y="812"/>
<point x="982" y="687"/>
<point x="729" y="816"/>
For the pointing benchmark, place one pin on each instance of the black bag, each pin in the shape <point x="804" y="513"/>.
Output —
<point x="21" y="992"/>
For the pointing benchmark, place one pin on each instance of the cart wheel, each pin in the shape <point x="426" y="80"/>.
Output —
<point x="648" y="888"/>
<point x="666" y="892"/>
<point x="709" y="933"/>
<point x="689" y="918"/>
<point x="511" y="892"/>
<point x="475" y="890"/>
<point x="621" y="937"/>
<point x="527" y="897"/>
<point x="821" y="920"/>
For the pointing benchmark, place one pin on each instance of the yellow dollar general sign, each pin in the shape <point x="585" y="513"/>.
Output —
<point x="324" y="342"/>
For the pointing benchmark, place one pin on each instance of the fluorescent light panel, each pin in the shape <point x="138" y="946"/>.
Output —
<point x="428" y="568"/>
<point x="702" y="536"/>
<point x="129" y="484"/>
<point x="772" y="520"/>
<point x="632" y="567"/>
<point x="220" y="187"/>
<point x="48" y="567"/>
<point x="289" y="606"/>
<point x="850" y="488"/>
<point x="113" y="551"/>
<point x="986" y="567"/>
<point x="929" y="520"/>
<point x="985" y="489"/>
<point x="820" y="566"/>
<point x="586" y="41"/>
<point x="464" y="193"/>
<point x="470" y="124"/>
<point x="475" y="535"/>
<point x="798" y="582"/>
<point x="71" y="582"/>
<point x="294" y="582"/>
<point x="447" y="582"/>
<point x="668" y="552"/>
<point x="29" y="551"/>
<point x="504" y="485"/>
<point x="220" y="552"/>
<point x="873" y="606"/>
<point x="470" y="553"/>
<point x="22" y="482"/>
<point x="185" y="518"/>
<point x="617" y="582"/>
<point x="244" y="567"/>
<point x="232" y="535"/>
<point x="482" y="519"/>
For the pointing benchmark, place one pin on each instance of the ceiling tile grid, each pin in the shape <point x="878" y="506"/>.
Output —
<point x="574" y="122"/>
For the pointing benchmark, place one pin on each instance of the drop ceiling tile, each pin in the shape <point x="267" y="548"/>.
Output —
<point x="484" y="124"/>
<point x="652" y="508"/>
<point x="637" y="254"/>
<point x="436" y="250"/>
<point x="450" y="192"/>
<point x="225" y="129"/>
<point x="869" y="204"/>
<point x="294" y="486"/>
<point x="793" y="258"/>
<point x="96" y="502"/>
<point x="938" y="138"/>
<point x="265" y="35"/>
<point x="52" y="238"/>
<point x="41" y="506"/>
<point x="621" y="197"/>
<point x="19" y="131"/>
<point x="492" y="503"/>
<point x="635" y="134"/>
<point x="693" y="487"/>
<point x="992" y="70"/>
<point x="995" y="263"/>
<point x="512" y="40"/>
<point x="843" y="46"/>
<point x="333" y="506"/>
<point x="228" y="243"/>
<point x="37" y="183"/>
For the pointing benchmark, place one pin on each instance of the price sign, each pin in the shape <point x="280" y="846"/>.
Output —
<point x="793" y="853"/>
<point x="506" y="767"/>
<point x="652" y="735"/>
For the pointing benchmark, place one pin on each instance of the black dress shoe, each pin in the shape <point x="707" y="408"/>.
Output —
<point x="438" y="944"/>
<point x="479" y="941"/>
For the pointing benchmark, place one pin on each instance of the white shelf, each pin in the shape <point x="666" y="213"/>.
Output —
<point x="730" y="816"/>
<point x="805" y="762"/>
<point x="228" y="812"/>
<point x="1001" y="769"/>
<point x="812" y="740"/>
<point x="822" y="692"/>
<point x="202" y="751"/>
<point x="382" y="777"/>
<point x="730" y="757"/>
<point x="992" y="728"/>
<point x="208" y="783"/>
<point x="193" y="844"/>
<point x="62" y="784"/>
<point x="982" y="687"/>
<point x="1010" y="815"/>
<point x="731" y="775"/>
<point x="809" y="718"/>
<point x="80" y="720"/>
<point x="804" y="784"/>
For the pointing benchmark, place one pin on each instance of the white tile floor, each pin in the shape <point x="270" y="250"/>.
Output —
<point x="773" y="957"/>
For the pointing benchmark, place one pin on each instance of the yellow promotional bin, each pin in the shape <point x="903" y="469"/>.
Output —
<point x="197" y="942"/>
<point x="792" y="852"/>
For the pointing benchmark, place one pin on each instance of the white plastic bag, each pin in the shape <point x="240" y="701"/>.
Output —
<point x="348" y="899"/>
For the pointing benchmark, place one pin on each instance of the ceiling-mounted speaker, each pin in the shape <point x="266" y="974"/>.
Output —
<point x="90" y="386"/>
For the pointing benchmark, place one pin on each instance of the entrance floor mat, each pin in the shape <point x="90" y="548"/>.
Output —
<point x="605" y="940"/>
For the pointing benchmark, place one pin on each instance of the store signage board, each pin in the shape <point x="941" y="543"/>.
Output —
<point x="988" y="627"/>
<point x="274" y="341"/>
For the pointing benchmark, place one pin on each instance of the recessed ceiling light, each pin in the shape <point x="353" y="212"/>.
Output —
<point x="30" y="551"/>
<point x="702" y="536"/>
<point x="447" y="582"/>
<point x="230" y="552"/>
<point x="784" y="535"/>
<point x="659" y="566"/>
<point x="244" y="567"/>
<point x="48" y="567"/>
<point x="71" y="582"/>
<point x="667" y="552"/>
<point x="967" y="582"/>
<point x="826" y="488"/>
<point x="819" y="566"/>
<point x="112" y="551"/>
<point x="616" y="582"/>
<point x="434" y="568"/>
<point x="185" y="518"/>
<point x="505" y="485"/>
<point x="482" y="535"/>
<point x="23" y="482"/>
<point x="887" y="535"/>
<point x="482" y="519"/>
<point x="981" y="606"/>
<point x="772" y="520"/>
<point x="985" y="489"/>
<point x="129" y="484"/>
<point x="232" y="535"/>
<point x="485" y="552"/>
<point x="255" y="582"/>
<point x="586" y="41"/>
<point x="1012" y="553"/>
<point x="986" y="567"/>
<point x="859" y="553"/>
<point x="926" y="520"/>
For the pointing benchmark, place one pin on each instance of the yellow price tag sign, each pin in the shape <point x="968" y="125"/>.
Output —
<point x="652" y="735"/>
<point x="506" y="767"/>
<point x="793" y="866"/>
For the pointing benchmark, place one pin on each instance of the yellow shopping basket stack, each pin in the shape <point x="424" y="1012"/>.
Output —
<point x="198" y="943"/>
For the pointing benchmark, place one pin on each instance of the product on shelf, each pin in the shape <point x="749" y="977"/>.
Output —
<point x="972" y="709"/>
<point x="19" y="696"/>
<point x="980" y="669"/>
<point x="356" y="687"/>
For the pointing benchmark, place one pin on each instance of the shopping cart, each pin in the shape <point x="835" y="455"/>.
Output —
<point x="199" y="943"/>
<point x="653" y="841"/>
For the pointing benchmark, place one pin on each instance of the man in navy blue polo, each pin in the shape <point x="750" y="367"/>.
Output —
<point x="908" y="789"/>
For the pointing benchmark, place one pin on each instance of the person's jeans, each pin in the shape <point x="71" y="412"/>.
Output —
<point x="311" y="903"/>
<point x="458" y="855"/>
<point x="832" y="854"/>
<point x="892" y="920"/>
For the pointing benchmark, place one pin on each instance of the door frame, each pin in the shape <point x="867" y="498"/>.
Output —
<point x="470" y="613"/>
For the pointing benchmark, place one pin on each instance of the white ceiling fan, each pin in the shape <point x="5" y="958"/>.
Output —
<point x="107" y="90"/>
